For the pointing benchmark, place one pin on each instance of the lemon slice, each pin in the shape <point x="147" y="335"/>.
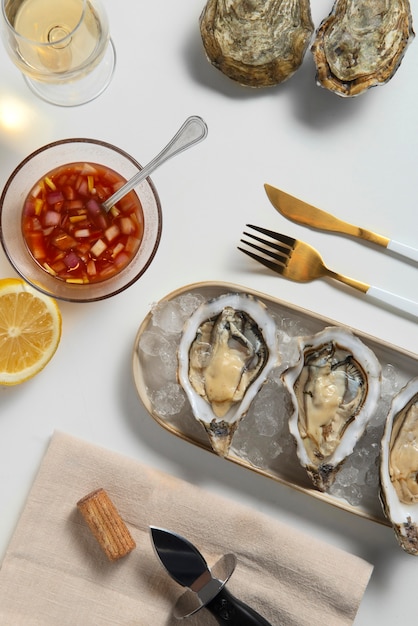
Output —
<point x="30" y="331"/>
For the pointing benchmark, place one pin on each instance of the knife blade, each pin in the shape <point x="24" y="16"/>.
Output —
<point x="303" y="213"/>
<point x="188" y="568"/>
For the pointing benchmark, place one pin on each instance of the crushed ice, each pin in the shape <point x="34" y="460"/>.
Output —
<point x="170" y="315"/>
<point x="169" y="400"/>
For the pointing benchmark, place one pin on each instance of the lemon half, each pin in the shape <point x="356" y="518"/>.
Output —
<point x="30" y="331"/>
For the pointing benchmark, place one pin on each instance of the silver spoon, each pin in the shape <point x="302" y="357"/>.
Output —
<point x="190" y="133"/>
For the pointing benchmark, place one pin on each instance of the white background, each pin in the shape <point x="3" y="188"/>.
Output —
<point x="354" y="157"/>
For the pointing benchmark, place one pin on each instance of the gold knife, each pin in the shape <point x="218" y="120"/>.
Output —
<point x="308" y="215"/>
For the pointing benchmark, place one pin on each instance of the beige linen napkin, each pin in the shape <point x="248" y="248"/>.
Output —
<point x="55" y="574"/>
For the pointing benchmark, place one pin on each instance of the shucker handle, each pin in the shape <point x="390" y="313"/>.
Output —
<point x="229" y="611"/>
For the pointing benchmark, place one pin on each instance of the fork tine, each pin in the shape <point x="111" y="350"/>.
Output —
<point x="266" y="262"/>
<point x="288" y="241"/>
<point x="284" y="251"/>
<point x="281" y="255"/>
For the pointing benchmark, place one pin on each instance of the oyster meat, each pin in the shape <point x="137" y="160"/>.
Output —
<point x="399" y="467"/>
<point x="258" y="43"/>
<point x="334" y="387"/>
<point x="227" y="349"/>
<point x="361" y="44"/>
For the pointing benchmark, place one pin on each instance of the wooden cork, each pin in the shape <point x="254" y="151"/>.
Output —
<point x="106" y="524"/>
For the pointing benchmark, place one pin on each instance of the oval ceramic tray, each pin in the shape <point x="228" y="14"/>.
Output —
<point x="261" y="446"/>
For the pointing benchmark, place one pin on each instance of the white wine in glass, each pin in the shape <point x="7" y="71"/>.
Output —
<point x="63" y="48"/>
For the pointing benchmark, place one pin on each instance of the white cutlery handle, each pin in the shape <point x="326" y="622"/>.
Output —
<point x="403" y="249"/>
<point x="398" y="302"/>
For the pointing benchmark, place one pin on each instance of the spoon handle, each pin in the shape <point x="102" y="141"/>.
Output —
<point x="190" y="133"/>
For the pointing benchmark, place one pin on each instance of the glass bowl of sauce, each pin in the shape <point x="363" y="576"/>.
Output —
<point x="56" y="234"/>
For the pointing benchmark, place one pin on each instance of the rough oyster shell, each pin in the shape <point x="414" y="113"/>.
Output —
<point x="257" y="43"/>
<point x="361" y="44"/>
<point x="399" y="467"/>
<point x="334" y="387"/>
<point x="227" y="349"/>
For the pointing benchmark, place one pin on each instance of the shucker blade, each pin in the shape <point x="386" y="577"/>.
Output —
<point x="187" y="566"/>
<point x="180" y="558"/>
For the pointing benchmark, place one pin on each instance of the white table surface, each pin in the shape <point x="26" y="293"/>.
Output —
<point x="354" y="157"/>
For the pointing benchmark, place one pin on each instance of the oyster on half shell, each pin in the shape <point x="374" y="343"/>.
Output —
<point x="399" y="467"/>
<point x="334" y="387"/>
<point x="361" y="44"/>
<point x="227" y="349"/>
<point x="258" y="43"/>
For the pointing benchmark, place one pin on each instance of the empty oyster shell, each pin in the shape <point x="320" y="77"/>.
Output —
<point x="399" y="467"/>
<point x="335" y="387"/>
<point x="361" y="44"/>
<point x="257" y="43"/>
<point x="228" y="347"/>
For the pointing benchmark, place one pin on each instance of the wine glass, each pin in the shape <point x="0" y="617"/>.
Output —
<point x="62" y="47"/>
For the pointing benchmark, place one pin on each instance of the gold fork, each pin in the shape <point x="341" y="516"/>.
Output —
<point x="298" y="261"/>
